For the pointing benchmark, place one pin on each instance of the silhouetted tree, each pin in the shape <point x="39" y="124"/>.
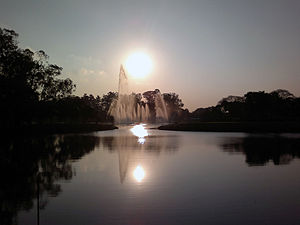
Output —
<point x="106" y="102"/>
<point x="149" y="97"/>
<point x="25" y="79"/>
<point x="208" y="114"/>
<point x="138" y="98"/>
<point x="283" y="94"/>
<point x="232" y="107"/>
<point x="174" y="105"/>
<point x="278" y="105"/>
<point x="30" y="166"/>
<point x="260" y="150"/>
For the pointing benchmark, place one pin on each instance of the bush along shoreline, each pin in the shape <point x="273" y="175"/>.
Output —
<point x="248" y="127"/>
<point x="60" y="128"/>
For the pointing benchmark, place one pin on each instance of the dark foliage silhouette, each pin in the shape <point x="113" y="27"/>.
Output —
<point x="174" y="105"/>
<point x="31" y="92"/>
<point x="26" y="78"/>
<point x="278" y="105"/>
<point x="260" y="150"/>
<point x="31" y="166"/>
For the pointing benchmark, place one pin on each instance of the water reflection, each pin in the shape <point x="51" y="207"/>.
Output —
<point x="139" y="131"/>
<point x="259" y="150"/>
<point x="139" y="173"/>
<point x="141" y="140"/>
<point x="29" y="168"/>
<point x="130" y="150"/>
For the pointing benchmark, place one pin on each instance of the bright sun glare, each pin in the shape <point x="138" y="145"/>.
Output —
<point x="140" y="132"/>
<point x="139" y="173"/>
<point x="138" y="64"/>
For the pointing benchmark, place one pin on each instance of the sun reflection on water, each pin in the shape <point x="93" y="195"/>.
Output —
<point x="141" y="140"/>
<point x="140" y="132"/>
<point x="139" y="173"/>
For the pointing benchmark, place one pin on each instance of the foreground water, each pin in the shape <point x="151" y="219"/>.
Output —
<point x="126" y="177"/>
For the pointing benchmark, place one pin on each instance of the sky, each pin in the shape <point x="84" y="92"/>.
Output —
<point x="203" y="50"/>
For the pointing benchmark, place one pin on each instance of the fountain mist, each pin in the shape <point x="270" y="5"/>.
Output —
<point x="126" y="109"/>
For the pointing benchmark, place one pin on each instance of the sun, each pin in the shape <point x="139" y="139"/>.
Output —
<point x="138" y="64"/>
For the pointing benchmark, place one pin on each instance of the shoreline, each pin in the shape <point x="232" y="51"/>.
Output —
<point x="60" y="128"/>
<point x="247" y="127"/>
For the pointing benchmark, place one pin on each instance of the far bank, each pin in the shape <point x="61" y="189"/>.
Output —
<point x="248" y="127"/>
<point x="59" y="128"/>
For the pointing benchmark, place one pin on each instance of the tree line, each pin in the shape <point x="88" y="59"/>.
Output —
<point x="278" y="105"/>
<point x="31" y="91"/>
<point x="89" y="108"/>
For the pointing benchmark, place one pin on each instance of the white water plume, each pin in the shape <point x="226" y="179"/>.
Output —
<point x="126" y="109"/>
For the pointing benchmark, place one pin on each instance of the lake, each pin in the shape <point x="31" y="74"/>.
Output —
<point x="149" y="176"/>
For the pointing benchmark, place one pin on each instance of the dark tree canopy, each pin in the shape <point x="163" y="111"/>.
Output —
<point x="174" y="106"/>
<point x="27" y="78"/>
<point x="107" y="99"/>
<point x="231" y="98"/>
<point x="150" y="96"/>
<point x="32" y="91"/>
<point x="278" y="105"/>
<point x="283" y="94"/>
<point x="30" y="73"/>
<point x="33" y="165"/>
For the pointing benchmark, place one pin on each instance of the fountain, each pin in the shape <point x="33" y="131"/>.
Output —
<point x="160" y="108"/>
<point x="126" y="109"/>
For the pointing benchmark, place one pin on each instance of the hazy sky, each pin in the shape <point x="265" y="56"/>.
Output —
<point x="203" y="50"/>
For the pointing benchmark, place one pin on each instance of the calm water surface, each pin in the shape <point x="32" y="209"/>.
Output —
<point x="126" y="177"/>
